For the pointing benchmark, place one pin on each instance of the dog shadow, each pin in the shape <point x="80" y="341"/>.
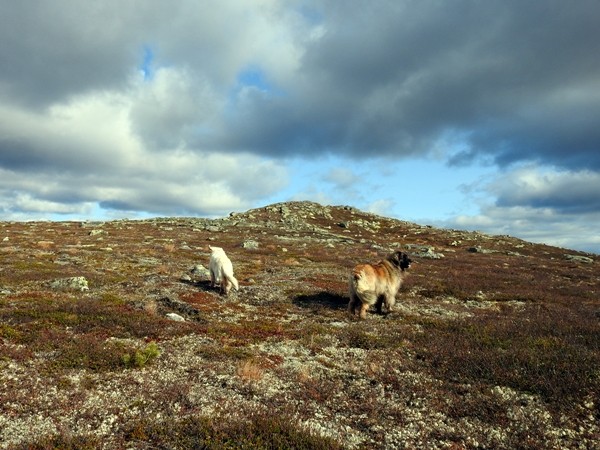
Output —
<point x="203" y="284"/>
<point x="322" y="299"/>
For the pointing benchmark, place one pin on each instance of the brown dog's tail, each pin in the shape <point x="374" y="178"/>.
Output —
<point x="357" y="277"/>
<point x="353" y="281"/>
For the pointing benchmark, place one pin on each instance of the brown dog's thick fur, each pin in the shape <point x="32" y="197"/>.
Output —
<point x="377" y="284"/>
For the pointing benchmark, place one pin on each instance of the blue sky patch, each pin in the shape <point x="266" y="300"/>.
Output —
<point x="146" y="67"/>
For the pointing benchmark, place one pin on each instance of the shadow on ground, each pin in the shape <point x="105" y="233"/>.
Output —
<point x="322" y="299"/>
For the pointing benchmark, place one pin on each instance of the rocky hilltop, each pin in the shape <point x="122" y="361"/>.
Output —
<point x="111" y="337"/>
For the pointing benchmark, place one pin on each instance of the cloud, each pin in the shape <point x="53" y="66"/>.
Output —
<point x="87" y="151"/>
<point x="542" y="225"/>
<point x="341" y="178"/>
<point x="505" y="81"/>
<point x="313" y="194"/>
<point x="382" y="207"/>
<point x="554" y="207"/>
<point x="566" y="192"/>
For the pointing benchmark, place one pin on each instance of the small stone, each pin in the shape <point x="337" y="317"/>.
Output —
<point x="175" y="317"/>
<point x="185" y="277"/>
<point x="250" y="244"/>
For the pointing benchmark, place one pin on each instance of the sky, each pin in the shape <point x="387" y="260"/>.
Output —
<point x="473" y="115"/>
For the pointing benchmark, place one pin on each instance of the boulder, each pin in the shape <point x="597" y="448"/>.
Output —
<point x="578" y="258"/>
<point x="200" y="271"/>
<point x="76" y="283"/>
<point x="250" y="244"/>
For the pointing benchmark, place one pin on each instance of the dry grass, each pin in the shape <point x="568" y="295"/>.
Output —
<point x="249" y="371"/>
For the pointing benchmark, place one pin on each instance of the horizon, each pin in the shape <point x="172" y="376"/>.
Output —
<point x="152" y="217"/>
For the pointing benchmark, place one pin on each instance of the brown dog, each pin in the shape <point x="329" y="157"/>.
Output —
<point x="376" y="284"/>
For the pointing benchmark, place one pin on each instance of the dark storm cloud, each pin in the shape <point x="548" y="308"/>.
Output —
<point x="569" y="193"/>
<point x="508" y="80"/>
<point x="513" y="80"/>
<point x="53" y="50"/>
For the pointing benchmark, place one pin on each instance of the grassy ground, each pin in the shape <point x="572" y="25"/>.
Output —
<point x="495" y="349"/>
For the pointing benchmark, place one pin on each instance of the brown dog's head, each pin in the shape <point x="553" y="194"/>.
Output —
<point x="400" y="259"/>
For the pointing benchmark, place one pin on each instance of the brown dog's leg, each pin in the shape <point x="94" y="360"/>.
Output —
<point x="363" y="310"/>
<point x="352" y="304"/>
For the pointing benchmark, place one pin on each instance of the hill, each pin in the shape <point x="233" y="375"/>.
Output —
<point x="111" y="337"/>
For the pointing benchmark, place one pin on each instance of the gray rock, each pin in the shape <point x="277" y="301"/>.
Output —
<point x="482" y="250"/>
<point x="425" y="251"/>
<point x="577" y="258"/>
<point x="423" y="248"/>
<point x="97" y="232"/>
<point x="200" y="271"/>
<point x="427" y="255"/>
<point x="89" y="224"/>
<point x="250" y="244"/>
<point x="185" y="277"/>
<point x="77" y="283"/>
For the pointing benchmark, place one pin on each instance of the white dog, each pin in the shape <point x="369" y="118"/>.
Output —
<point x="221" y="270"/>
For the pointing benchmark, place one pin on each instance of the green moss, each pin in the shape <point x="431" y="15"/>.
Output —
<point x="9" y="332"/>
<point x="139" y="359"/>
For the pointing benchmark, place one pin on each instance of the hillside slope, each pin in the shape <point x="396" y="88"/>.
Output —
<point x="494" y="342"/>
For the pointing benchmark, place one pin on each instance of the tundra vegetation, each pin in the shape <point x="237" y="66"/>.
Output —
<point x="494" y="342"/>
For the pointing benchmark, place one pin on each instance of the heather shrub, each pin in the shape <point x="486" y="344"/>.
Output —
<point x="555" y="355"/>
<point x="258" y="431"/>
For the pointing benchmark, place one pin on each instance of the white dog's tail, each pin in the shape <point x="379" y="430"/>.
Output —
<point x="232" y="280"/>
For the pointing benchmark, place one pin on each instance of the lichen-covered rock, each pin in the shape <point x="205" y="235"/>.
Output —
<point x="423" y="251"/>
<point x="578" y="258"/>
<point x="76" y="283"/>
<point x="250" y="244"/>
<point x="200" y="271"/>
